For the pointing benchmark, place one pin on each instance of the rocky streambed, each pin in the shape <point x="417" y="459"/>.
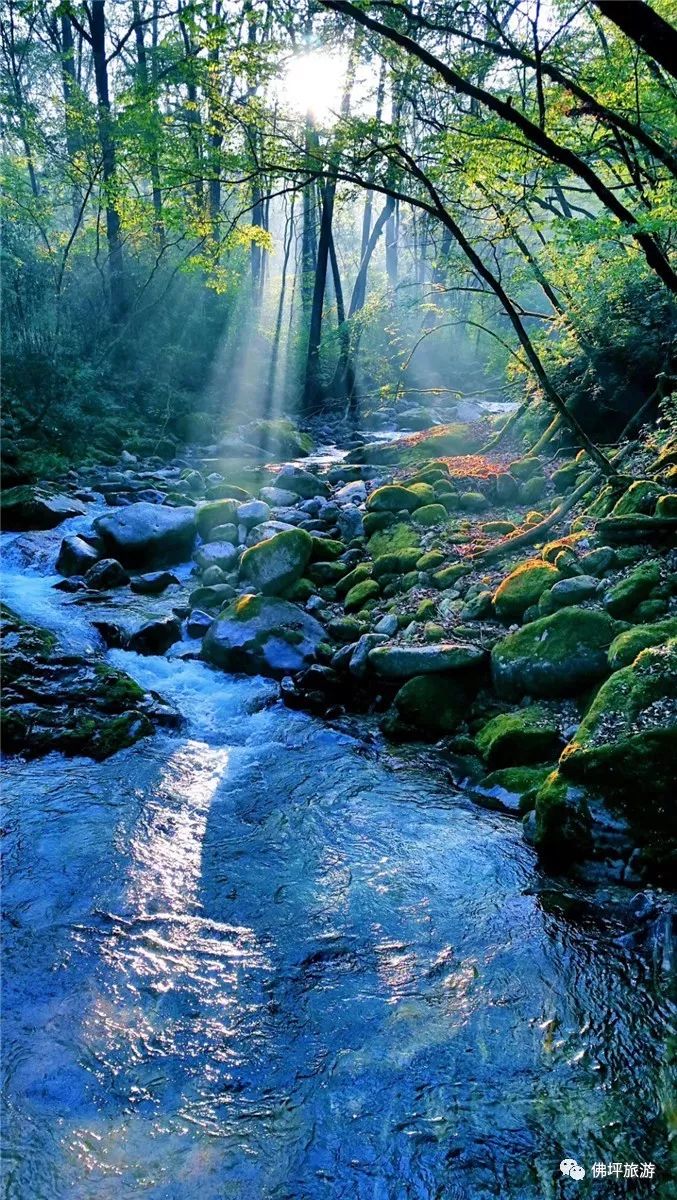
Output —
<point x="250" y="950"/>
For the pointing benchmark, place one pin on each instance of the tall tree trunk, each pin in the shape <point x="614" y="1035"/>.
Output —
<point x="116" y="270"/>
<point x="153" y="164"/>
<point x="69" y="89"/>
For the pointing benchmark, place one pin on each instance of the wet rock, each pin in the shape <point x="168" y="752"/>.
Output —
<point x="29" y="507"/>
<point x="212" y="596"/>
<point x="263" y="635"/>
<point x="148" y="534"/>
<point x="557" y="655"/>
<point x="560" y="827"/>
<point x="350" y="523"/>
<point x="216" y="554"/>
<point x="105" y="574"/>
<point x="403" y="662"/>
<point x="152" y="583"/>
<point x="573" y="591"/>
<point x="428" y="705"/>
<point x="359" y="660"/>
<point x="261" y="533"/>
<point x="155" y="636"/>
<point x="278" y="497"/>
<point x="76" y="556"/>
<point x="302" y="483"/>
<point x="277" y="563"/>
<point x="254" y="512"/>
<point x="55" y="701"/>
<point x="198" y="624"/>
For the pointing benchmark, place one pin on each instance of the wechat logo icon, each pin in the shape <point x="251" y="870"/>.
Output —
<point x="570" y="1167"/>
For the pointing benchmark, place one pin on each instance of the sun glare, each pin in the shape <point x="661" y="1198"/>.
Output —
<point x="313" y="84"/>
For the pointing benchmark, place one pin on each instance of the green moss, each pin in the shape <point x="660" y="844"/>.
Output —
<point x="473" y="501"/>
<point x="626" y="741"/>
<point x="358" y="595"/>
<point x="625" y="595"/>
<point x="424" y="493"/>
<point x="374" y="521"/>
<point x="525" y="468"/>
<point x="523" y="587"/>
<point x="357" y="575"/>
<point x="120" y="689"/>
<point x="396" y="564"/>
<point x="666" y="505"/>
<point x="561" y="830"/>
<point x="432" y="704"/>
<point x="430" y="514"/>
<point x="327" y="572"/>
<point x="625" y="648"/>
<point x="275" y="564"/>
<point x="450" y="575"/>
<point x="426" y="610"/>
<point x="346" y="629"/>
<point x="215" y="512"/>
<point x="640" y="497"/>
<point x="394" y="540"/>
<point x="557" y="655"/>
<point x="528" y="735"/>
<point x="500" y="527"/>
<point x="533" y="489"/>
<point x="325" y="549"/>
<point x="393" y="497"/>
<point x="518" y="781"/>
<point x="430" y="560"/>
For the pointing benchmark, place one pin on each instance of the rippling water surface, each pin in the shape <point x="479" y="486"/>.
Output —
<point x="256" y="959"/>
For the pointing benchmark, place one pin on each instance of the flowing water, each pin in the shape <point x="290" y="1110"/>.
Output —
<point x="260" y="957"/>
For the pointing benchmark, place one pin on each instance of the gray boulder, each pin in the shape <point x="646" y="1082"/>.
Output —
<point x="263" y="635"/>
<point x="28" y="507"/>
<point x="216" y="554"/>
<point x="403" y="662"/>
<point x="143" y="533"/>
<point x="76" y="556"/>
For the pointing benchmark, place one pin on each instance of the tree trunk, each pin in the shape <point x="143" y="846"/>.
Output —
<point x="106" y="138"/>
<point x="142" y="66"/>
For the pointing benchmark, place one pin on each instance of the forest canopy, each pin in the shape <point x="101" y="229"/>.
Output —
<point x="221" y="211"/>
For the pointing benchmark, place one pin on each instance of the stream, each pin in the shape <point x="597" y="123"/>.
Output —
<point x="263" y="957"/>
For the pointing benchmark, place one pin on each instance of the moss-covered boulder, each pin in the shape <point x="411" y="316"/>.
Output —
<point x="534" y="489"/>
<point x="393" y="497"/>
<point x="523" y="587"/>
<point x="263" y="635"/>
<point x="276" y="564"/>
<point x="561" y="824"/>
<point x="280" y="437"/>
<point x="624" y="649"/>
<point x="215" y="512"/>
<point x="526" y="468"/>
<point x="427" y="705"/>
<point x="473" y="502"/>
<point x="625" y="595"/>
<point x="558" y="655"/>
<point x="357" y="597"/>
<point x="640" y="497"/>
<point x="430" y="514"/>
<point x="626" y="741"/>
<point x="529" y="735"/>
<point x="449" y="576"/>
<point x="666" y="505"/>
<point x="358" y="573"/>
<point x="396" y="564"/>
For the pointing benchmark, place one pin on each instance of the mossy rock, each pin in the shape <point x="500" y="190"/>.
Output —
<point x="215" y="512"/>
<point x="426" y="610"/>
<point x="394" y="540"/>
<point x="346" y="629"/>
<point x="525" y="468"/>
<point x="280" y="436"/>
<point x="603" y="503"/>
<point x="442" y="442"/>
<point x="375" y="521"/>
<point x="396" y="564"/>
<point x="640" y="497"/>
<point x="666" y="505"/>
<point x="557" y="655"/>
<point x="327" y="572"/>
<point x="625" y="595"/>
<point x="326" y="549"/>
<point x="393" y="498"/>
<point x="625" y="744"/>
<point x="358" y="595"/>
<point x="450" y="575"/>
<point x="478" y="607"/>
<point x="430" y="560"/>
<point x="357" y="575"/>
<point x="528" y="735"/>
<point x="430" y="514"/>
<point x="275" y="564"/>
<point x="424" y="493"/>
<point x="624" y="649"/>
<point x="561" y="828"/>
<point x="427" y="705"/>
<point x="564" y="477"/>
<point x="650" y="610"/>
<point x="228" y="491"/>
<point x="500" y="527"/>
<point x="512" y="789"/>
<point x="523" y="587"/>
<point x="301" y="591"/>
<point x="473" y="502"/>
<point x="534" y="489"/>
